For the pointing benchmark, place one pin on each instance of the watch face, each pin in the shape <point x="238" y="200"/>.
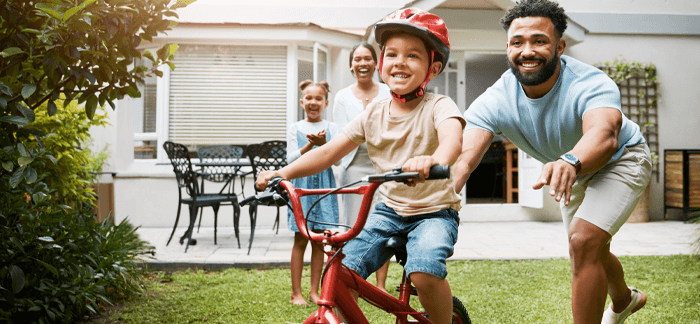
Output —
<point x="571" y="158"/>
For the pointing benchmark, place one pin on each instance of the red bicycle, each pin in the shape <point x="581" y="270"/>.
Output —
<point x="337" y="280"/>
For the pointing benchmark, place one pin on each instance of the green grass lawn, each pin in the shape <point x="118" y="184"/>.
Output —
<point x="501" y="292"/>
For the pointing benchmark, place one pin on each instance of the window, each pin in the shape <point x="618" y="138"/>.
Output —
<point x="227" y="94"/>
<point x="221" y="94"/>
<point x="144" y="114"/>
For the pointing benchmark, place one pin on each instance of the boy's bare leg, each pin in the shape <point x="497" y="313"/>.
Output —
<point x="316" y="269"/>
<point x="297" y="267"/>
<point x="589" y="252"/>
<point x="381" y="276"/>
<point x="435" y="295"/>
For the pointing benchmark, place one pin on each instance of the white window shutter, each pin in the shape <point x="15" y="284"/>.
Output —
<point x="228" y="94"/>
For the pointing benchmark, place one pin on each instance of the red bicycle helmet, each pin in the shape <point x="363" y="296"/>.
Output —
<point x="422" y="24"/>
<point x="428" y="27"/>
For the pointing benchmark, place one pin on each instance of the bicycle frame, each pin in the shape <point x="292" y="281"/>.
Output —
<point x="335" y="291"/>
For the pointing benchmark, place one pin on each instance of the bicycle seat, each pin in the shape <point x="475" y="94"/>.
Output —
<point x="397" y="245"/>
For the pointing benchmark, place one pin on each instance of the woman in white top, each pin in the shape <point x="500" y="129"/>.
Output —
<point x="349" y="103"/>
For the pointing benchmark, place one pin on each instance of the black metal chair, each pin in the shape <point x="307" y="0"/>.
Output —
<point x="269" y="155"/>
<point x="222" y="173"/>
<point x="187" y="178"/>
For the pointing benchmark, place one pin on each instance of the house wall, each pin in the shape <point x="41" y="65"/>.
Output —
<point x="675" y="58"/>
<point x="146" y="193"/>
<point x="146" y="190"/>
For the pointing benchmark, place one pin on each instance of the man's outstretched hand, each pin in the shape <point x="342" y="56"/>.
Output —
<point x="560" y="176"/>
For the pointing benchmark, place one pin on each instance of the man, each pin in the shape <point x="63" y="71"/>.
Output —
<point x="567" y="115"/>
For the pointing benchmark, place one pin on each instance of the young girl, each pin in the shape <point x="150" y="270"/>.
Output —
<point x="303" y="136"/>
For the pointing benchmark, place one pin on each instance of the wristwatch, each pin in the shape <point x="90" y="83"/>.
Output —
<point x="571" y="159"/>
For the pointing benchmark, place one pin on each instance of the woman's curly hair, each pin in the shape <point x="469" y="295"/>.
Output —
<point x="537" y="8"/>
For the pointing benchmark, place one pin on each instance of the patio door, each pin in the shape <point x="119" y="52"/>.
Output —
<point x="446" y="82"/>
<point x="529" y="171"/>
<point x="313" y="64"/>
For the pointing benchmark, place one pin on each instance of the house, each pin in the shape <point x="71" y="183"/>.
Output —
<point x="239" y="63"/>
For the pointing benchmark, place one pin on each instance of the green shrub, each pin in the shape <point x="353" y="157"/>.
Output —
<point x="68" y="133"/>
<point x="58" y="264"/>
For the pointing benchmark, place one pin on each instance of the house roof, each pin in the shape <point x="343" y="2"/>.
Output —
<point x="349" y="16"/>
<point x="470" y="19"/>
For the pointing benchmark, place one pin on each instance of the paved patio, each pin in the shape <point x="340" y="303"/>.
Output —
<point x="477" y="241"/>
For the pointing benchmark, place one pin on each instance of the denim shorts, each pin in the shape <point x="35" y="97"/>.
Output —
<point x="431" y="240"/>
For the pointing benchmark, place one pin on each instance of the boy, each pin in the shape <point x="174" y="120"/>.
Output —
<point x="413" y="129"/>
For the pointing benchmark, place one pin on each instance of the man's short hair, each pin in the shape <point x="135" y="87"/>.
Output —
<point x="537" y="8"/>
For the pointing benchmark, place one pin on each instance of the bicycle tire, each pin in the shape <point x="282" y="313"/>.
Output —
<point x="459" y="313"/>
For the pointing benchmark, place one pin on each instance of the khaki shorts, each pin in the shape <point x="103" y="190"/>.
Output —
<point x="607" y="197"/>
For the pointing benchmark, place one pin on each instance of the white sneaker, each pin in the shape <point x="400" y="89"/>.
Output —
<point x="637" y="301"/>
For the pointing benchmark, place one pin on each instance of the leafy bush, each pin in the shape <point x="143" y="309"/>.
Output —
<point x="68" y="132"/>
<point x="55" y="262"/>
<point x="62" y="264"/>
<point x="58" y="264"/>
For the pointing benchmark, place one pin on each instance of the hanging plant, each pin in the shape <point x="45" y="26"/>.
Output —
<point x="639" y="89"/>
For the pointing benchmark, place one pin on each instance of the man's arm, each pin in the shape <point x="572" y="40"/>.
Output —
<point x="598" y="144"/>
<point x="450" y="140"/>
<point x="475" y="142"/>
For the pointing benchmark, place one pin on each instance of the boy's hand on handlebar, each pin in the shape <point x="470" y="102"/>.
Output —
<point x="420" y="164"/>
<point x="264" y="177"/>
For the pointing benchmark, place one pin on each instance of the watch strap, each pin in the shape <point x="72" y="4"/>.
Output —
<point x="576" y="165"/>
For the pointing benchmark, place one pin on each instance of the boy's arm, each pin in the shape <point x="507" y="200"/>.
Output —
<point x="475" y="143"/>
<point x="312" y="162"/>
<point x="450" y="143"/>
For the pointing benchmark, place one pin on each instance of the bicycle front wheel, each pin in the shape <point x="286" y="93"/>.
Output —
<point x="459" y="313"/>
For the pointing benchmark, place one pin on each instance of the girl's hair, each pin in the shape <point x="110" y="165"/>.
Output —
<point x="323" y="85"/>
<point x="365" y="45"/>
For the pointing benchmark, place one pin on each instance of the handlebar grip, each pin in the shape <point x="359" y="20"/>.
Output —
<point x="439" y="172"/>
<point x="246" y="201"/>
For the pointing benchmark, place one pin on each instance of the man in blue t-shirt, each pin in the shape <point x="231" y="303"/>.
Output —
<point x="567" y="115"/>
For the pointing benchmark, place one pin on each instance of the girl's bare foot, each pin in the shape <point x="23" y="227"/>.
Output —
<point x="298" y="300"/>
<point x="313" y="297"/>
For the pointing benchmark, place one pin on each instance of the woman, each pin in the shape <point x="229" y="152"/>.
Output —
<point x="349" y="103"/>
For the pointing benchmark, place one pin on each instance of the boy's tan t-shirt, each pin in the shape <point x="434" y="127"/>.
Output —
<point x="391" y="141"/>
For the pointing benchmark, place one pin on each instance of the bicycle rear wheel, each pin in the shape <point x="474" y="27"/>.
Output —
<point x="459" y="313"/>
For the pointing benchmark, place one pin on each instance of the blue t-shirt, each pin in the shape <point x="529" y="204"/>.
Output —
<point x="547" y="127"/>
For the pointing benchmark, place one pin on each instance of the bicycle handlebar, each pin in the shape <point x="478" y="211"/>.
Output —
<point x="274" y="195"/>
<point x="436" y="172"/>
<point x="280" y="191"/>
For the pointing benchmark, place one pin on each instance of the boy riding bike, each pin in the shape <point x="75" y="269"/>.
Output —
<point x="416" y="130"/>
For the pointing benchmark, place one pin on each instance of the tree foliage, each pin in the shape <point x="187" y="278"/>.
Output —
<point x="83" y="49"/>
<point x="69" y="57"/>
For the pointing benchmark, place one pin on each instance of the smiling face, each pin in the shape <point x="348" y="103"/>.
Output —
<point x="314" y="101"/>
<point x="405" y="63"/>
<point x="363" y="64"/>
<point x="533" y="51"/>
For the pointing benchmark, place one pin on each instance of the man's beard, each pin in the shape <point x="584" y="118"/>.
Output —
<point x="534" y="78"/>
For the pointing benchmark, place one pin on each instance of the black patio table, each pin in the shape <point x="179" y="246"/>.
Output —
<point x="235" y="166"/>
